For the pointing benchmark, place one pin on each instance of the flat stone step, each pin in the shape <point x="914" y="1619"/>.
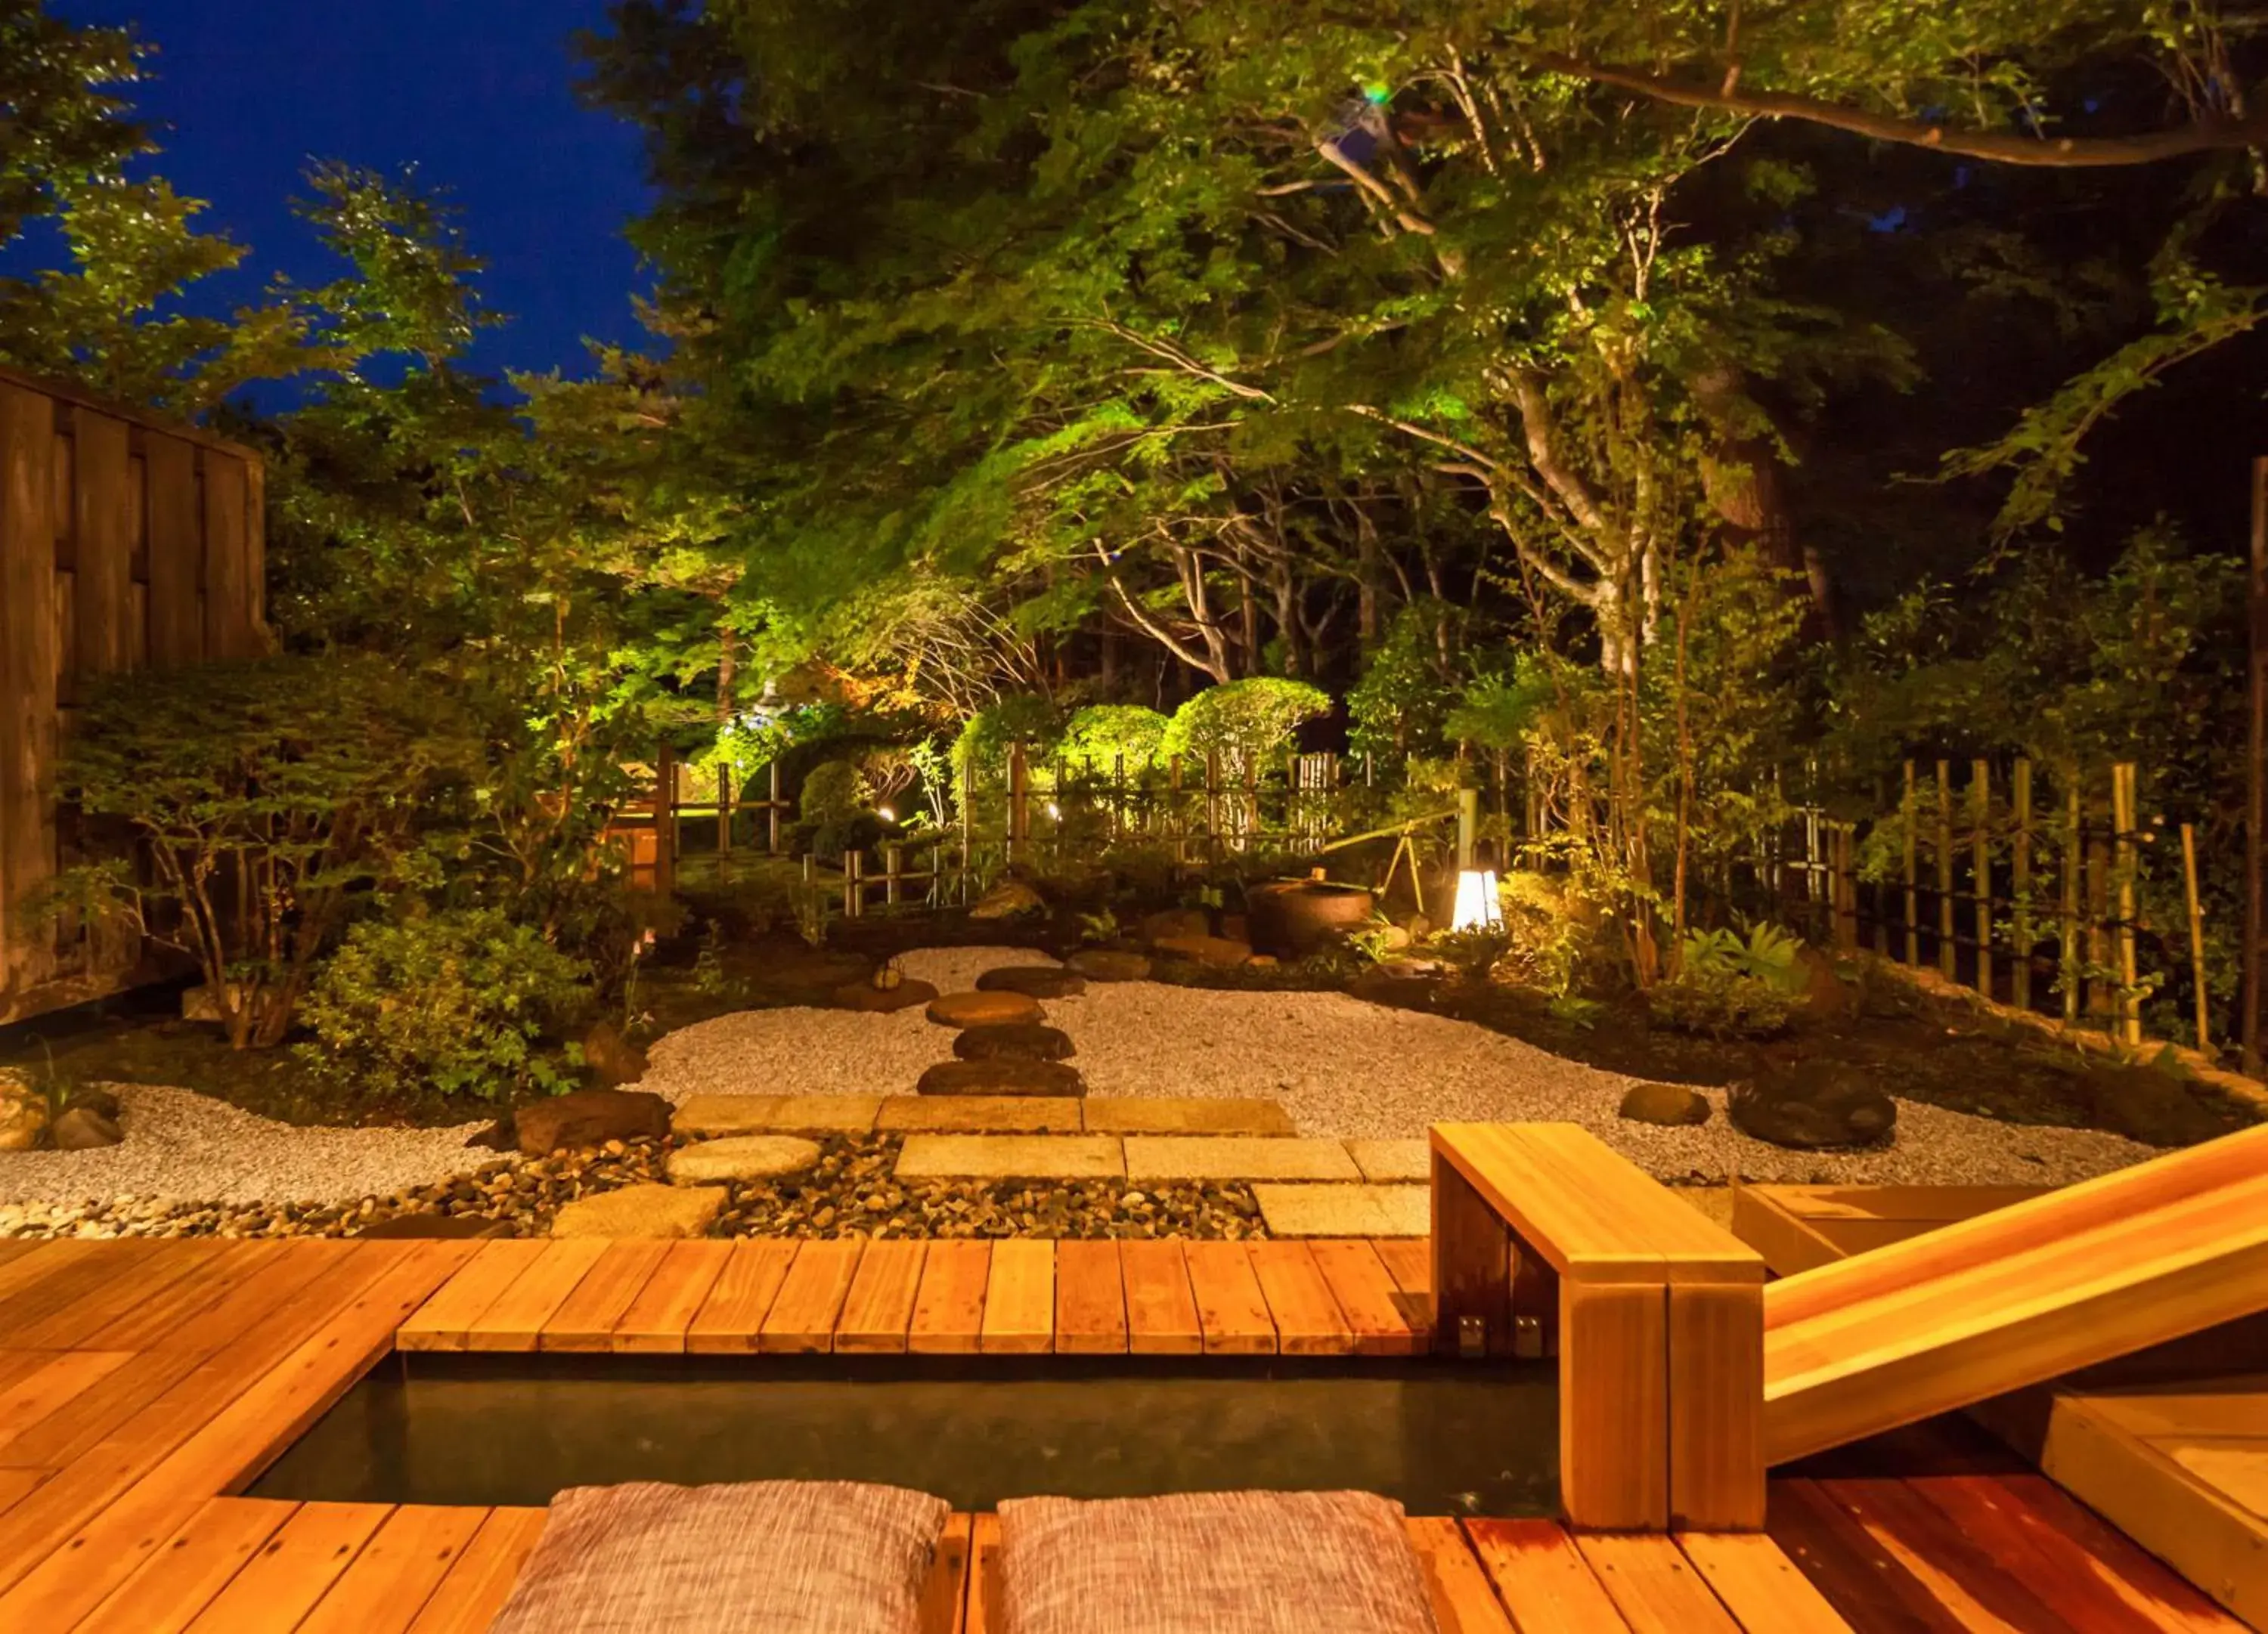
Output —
<point x="1237" y="1157"/>
<point x="742" y="1158"/>
<point x="1345" y="1210"/>
<point x="958" y="1010"/>
<point x="1385" y="1162"/>
<point x="1012" y="1157"/>
<point x="1129" y="1114"/>
<point x="981" y="1115"/>
<point x="1001" y="1075"/>
<point x="642" y="1211"/>
<point x="776" y="1115"/>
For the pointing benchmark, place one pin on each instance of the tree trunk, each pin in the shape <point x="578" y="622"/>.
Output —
<point x="1746" y="481"/>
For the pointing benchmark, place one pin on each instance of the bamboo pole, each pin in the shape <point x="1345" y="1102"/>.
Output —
<point x="2196" y="938"/>
<point x="1980" y="867"/>
<point x="1949" y="956"/>
<point x="2256" y="775"/>
<point x="724" y="809"/>
<point x="665" y="821"/>
<point x="2067" y="931"/>
<point x="2021" y="869"/>
<point x="1019" y="802"/>
<point x="1912" y="814"/>
<point x="772" y="814"/>
<point x="894" y="869"/>
<point x="2129" y="1001"/>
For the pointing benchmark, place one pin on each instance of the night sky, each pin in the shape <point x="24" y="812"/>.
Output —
<point x="476" y="94"/>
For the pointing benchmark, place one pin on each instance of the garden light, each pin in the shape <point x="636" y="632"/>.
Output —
<point x="1478" y="907"/>
<point x="886" y="813"/>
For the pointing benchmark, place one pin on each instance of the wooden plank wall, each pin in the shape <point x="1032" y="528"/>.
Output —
<point x="125" y="542"/>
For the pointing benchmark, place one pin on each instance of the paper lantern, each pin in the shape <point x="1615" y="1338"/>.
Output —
<point x="1478" y="906"/>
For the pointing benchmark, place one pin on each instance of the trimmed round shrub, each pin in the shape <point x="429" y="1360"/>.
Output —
<point x="1102" y="735"/>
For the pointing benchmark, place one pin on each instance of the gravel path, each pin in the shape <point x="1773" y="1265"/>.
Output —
<point x="1342" y="1067"/>
<point x="179" y="1144"/>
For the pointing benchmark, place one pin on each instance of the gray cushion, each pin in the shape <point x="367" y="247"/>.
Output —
<point x="765" y="1557"/>
<point x="1210" y="1563"/>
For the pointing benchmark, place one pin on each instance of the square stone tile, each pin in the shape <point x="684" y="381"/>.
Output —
<point x="1130" y="1114"/>
<point x="1345" y="1210"/>
<point x="982" y="1115"/>
<point x="1384" y="1162"/>
<point x="776" y="1115"/>
<point x="1237" y="1157"/>
<point x="1012" y="1157"/>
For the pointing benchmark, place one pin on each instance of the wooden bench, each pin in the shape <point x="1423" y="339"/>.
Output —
<point x="1546" y="1242"/>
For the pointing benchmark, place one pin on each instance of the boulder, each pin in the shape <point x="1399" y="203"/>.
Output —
<point x="438" y="1227"/>
<point x="1176" y="922"/>
<point x="743" y="1157"/>
<point x="1670" y="1105"/>
<point x="82" y="1129"/>
<point x="1813" y="1113"/>
<point x="1033" y="982"/>
<point x="101" y="1102"/>
<point x="1291" y="918"/>
<point x="613" y="1059"/>
<point x="591" y="1117"/>
<point x="1103" y="964"/>
<point x="1013" y="1040"/>
<point x="883" y="1001"/>
<point x="23" y="1111"/>
<point x="1011" y="899"/>
<point x="1826" y="996"/>
<point x="1215" y="951"/>
<point x="642" y="1212"/>
<point x="984" y="1010"/>
<point x="500" y="1136"/>
<point x="1001" y="1075"/>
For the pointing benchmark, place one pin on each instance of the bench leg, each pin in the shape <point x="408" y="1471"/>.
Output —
<point x="1716" y="1406"/>
<point x="1472" y="1267"/>
<point x="1614" y="1406"/>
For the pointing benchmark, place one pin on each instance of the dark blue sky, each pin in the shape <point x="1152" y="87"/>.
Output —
<point x="475" y="92"/>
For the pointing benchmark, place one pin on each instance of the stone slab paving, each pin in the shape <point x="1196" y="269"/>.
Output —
<point x="766" y="1115"/>
<point x="742" y="1158"/>
<point x="981" y="1115"/>
<point x="1012" y="1157"/>
<point x="1345" y="1210"/>
<point x="642" y="1212"/>
<point x="1384" y="1162"/>
<point x="1196" y="1115"/>
<point x="1235" y="1157"/>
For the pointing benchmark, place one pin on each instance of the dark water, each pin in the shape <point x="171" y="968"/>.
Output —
<point x="1442" y="1439"/>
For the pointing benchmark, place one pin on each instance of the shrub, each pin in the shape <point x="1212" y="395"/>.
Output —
<point x="834" y="801"/>
<point x="1102" y="735"/>
<point x="457" y="1001"/>
<point x="1243" y="721"/>
<point x="983" y="746"/>
<point x="1731" y="987"/>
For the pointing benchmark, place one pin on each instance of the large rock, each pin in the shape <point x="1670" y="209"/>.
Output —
<point x="1104" y="964"/>
<point x="884" y="1001"/>
<point x="1217" y="950"/>
<point x="1670" y="1105"/>
<point x="743" y="1157"/>
<point x="1826" y="996"/>
<point x="82" y="1129"/>
<point x="1011" y="899"/>
<point x="984" y="1010"/>
<point x="642" y="1212"/>
<point x="591" y="1117"/>
<point x="611" y="1057"/>
<point x="1015" y="1040"/>
<point x="1176" y="922"/>
<point x="1033" y="982"/>
<point x="23" y="1111"/>
<point x="1813" y="1112"/>
<point x="94" y="1100"/>
<point x="1001" y="1075"/>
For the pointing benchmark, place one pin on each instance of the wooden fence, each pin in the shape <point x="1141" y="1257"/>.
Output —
<point x="126" y="543"/>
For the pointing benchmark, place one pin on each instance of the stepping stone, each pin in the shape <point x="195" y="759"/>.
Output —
<point x="436" y="1228"/>
<point x="1360" y="1211"/>
<point x="1001" y="1075"/>
<point x="1014" y="1041"/>
<point x="1668" y="1105"/>
<point x="1103" y="964"/>
<point x="590" y="1117"/>
<point x="981" y="1115"/>
<point x="742" y="1157"/>
<point x="1217" y="950"/>
<point x="864" y="996"/>
<point x="1033" y="982"/>
<point x="1385" y="1161"/>
<point x="642" y="1212"/>
<point x="985" y="1009"/>
<point x="1235" y="1157"/>
<point x="1011" y="1156"/>
<point x="776" y="1115"/>
<point x="1129" y="1114"/>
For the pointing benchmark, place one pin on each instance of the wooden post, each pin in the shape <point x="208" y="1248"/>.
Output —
<point x="1980" y="866"/>
<point x="2021" y="876"/>
<point x="2067" y="931"/>
<point x="724" y="809"/>
<point x="2196" y="938"/>
<point x="772" y="814"/>
<point x="968" y="827"/>
<point x="1469" y="823"/>
<point x="2130" y="999"/>
<point x="854" y="886"/>
<point x="665" y="821"/>
<point x="893" y="868"/>
<point x="1212" y="806"/>
<point x="1019" y="802"/>
<point x="1913" y="811"/>
<point x="2099" y="909"/>
<point x="1949" y="956"/>
<point x="2255" y="777"/>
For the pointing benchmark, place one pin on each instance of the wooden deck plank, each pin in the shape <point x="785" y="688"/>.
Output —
<point x="657" y="1320"/>
<point x="1543" y="1577"/>
<point x="65" y="1282"/>
<point x="292" y="1570"/>
<point x="1957" y="1575"/>
<point x="444" y="1322"/>
<point x="1161" y="1307"/>
<point x="879" y="1307"/>
<point x="1090" y="1299"/>
<point x="983" y="1613"/>
<point x="945" y="1597"/>
<point x="1231" y="1310"/>
<point x="1372" y="1303"/>
<point x="1653" y="1585"/>
<point x="514" y="1321"/>
<point x="1759" y="1585"/>
<point x="67" y="1375"/>
<point x="731" y="1320"/>
<point x="16" y="1485"/>
<point x="1308" y="1321"/>
<point x="396" y="1572"/>
<point x="1410" y="1262"/>
<point x="586" y="1319"/>
<point x="949" y="1308"/>
<point x="37" y="1261"/>
<point x="467" y="1599"/>
<point x="276" y="1282"/>
<point x="61" y="1437"/>
<point x="1020" y="1298"/>
<point x="1863" y="1582"/>
<point x="1463" y="1601"/>
<point x="115" y="1295"/>
<point x="150" y="1324"/>
<point x="802" y="1320"/>
<point x="179" y="1578"/>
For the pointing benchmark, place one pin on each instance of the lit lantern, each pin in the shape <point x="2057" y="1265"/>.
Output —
<point x="1478" y="907"/>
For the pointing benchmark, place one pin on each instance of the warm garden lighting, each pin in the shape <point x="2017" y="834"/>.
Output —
<point x="886" y="813"/>
<point x="1479" y="905"/>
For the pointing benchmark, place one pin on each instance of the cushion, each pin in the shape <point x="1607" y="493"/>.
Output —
<point x="1210" y="1563"/>
<point x="765" y="1557"/>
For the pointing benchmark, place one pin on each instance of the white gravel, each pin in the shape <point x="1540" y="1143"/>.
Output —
<point x="1342" y="1067"/>
<point x="200" y="1150"/>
